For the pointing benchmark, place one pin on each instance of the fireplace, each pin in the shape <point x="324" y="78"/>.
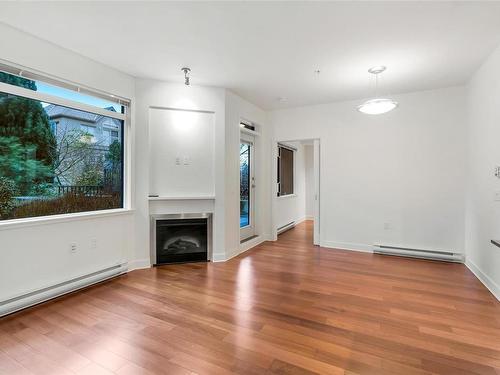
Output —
<point x="181" y="238"/>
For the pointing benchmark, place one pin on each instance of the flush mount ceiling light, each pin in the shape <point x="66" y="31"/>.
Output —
<point x="186" y="76"/>
<point x="378" y="105"/>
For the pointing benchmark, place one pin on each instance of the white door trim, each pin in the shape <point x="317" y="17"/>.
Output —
<point x="316" y="214"/>
<point x="249" y="230"/>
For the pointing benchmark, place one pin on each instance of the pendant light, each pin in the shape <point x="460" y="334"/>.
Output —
<point x="378" y="105"/>
<point x="187" y="72"/>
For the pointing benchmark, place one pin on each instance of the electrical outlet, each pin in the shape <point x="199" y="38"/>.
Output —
<point x="73" y="247"/>
<point x="93" y="243"/>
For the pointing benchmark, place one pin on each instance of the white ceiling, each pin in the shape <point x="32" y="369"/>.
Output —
<point x="267" y="50"/>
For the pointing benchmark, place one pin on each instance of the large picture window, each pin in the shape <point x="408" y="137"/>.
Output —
<point x="285" y="171"/>
<point x="60" y="152"/>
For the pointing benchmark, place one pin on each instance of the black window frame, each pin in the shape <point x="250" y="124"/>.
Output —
<point x="285" y="188"/>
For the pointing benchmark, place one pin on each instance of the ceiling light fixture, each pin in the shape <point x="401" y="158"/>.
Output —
<point x="186" y="71"/>
<point x="378" y="105"/>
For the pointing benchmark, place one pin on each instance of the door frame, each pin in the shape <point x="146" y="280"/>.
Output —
<point x="249" y="231"/>
<point x="316" y="172"/>
<point x="317" y="186"/>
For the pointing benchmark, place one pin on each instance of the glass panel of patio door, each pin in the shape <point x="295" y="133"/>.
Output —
<point x="247" y="187"/>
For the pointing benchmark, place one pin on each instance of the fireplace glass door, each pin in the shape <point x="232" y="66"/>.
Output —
<point x="181" y="240"/>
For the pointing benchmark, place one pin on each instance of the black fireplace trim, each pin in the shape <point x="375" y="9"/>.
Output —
<point x="203" y="215"/>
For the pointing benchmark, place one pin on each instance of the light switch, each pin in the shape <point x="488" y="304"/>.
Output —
<point x="187" y="160"/>
<point x="177" y="161"/>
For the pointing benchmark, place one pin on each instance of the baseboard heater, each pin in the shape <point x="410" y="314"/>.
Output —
<point x="445" y="256"/>
<point x="286" y="227"/>
<point x="44" y="294"/>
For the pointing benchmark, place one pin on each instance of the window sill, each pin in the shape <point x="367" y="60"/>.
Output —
<point x="287" y="196"/>
<point x="55" y="219"/>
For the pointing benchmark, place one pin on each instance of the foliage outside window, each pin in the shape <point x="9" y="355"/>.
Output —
<point x="56" y="159"/>
<point x="285" y="171"/>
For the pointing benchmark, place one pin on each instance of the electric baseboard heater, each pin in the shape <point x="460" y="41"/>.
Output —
<point x="44" y="294"/>
<point x="286" y="227"/>
<point x="444" y="256"/>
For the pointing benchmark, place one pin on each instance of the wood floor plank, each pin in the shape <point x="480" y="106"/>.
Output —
<point x="284" y="307"/>
<point x="10" y="366"/>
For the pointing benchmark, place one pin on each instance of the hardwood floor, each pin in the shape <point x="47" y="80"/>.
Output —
<point x="282" y="308"/>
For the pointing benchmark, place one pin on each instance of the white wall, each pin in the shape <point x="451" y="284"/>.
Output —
<point x="38" y="255"/>
<point x="309" y="166"/>
<point x="404" y="168"/>
<point x="293" y="207"/>
<point x="483" y="212"/>
<point x="59" y="62"/>
<point x="182" y="156"/>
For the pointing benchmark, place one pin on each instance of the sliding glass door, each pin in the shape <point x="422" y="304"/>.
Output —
<point x="247" y="187"/>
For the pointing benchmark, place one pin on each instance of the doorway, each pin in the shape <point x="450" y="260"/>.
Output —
<point x="247" y="186"/>
<point x="297" y="185"/>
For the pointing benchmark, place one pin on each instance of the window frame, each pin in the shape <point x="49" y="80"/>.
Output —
<point x="53" y="99"/>
<point x="278" y="169"/>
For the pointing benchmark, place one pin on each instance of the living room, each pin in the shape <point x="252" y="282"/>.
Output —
<point x="249" y="187"/>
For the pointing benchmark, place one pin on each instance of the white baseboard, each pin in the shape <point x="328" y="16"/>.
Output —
<point x="347" y="246"/>
<point x="245" y="246"/>
<point x="139" y="264"/>
<point x="218" y="257"/>
<point x="309" y="217"/>
<point x="301" y="220"/>
<point x="491" y="285"/>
